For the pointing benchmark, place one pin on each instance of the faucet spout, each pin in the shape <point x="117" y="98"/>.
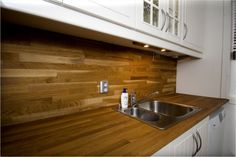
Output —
<point x="134" y="101"/>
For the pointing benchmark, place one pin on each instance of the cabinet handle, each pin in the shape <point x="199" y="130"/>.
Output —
<point x="186" y="31"/>
<point x="168" y="22"/>
<point x="200" y="138"/>
<point x="164" y="21"/>
<point x="195" y="140"/>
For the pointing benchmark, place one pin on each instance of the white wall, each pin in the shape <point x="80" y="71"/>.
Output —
<point x="203" y="76"/>
<point x="233" y="82"/>
<point x="230" y="131"/>
<point x="230" y="126"/>
<point x="227" y="47"/>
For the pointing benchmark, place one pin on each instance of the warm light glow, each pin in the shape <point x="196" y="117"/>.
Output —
<point x="163" y="50"/>
<point x="146" y="45"/>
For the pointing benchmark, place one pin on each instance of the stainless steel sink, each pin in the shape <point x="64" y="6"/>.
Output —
<point x="166" y="108"/>
<point x="159" y="114"/>
<point x="142" y="114"/>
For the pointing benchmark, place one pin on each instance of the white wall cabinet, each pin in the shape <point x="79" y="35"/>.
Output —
<point x="151" y="17"/>
<point x="178" y="21"/>
<point x="193" y="142"/>
<point x="120" y="12"/>
<point x="193" y="24"/>
<point x="118" y="22"/>
<point x="159" y="18"/>
<point x="174" y="17"/>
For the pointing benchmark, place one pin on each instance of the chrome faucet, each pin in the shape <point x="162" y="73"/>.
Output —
<point x="133" y="99"/>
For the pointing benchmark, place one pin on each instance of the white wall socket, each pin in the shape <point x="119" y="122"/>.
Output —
<point x="103" y="86"/>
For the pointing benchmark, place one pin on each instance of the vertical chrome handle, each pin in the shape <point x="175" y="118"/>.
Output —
<point x="195" y="140"/>
<point x="133" y="99"/>
<point x="199" y="136"/>
<point x="164" y="21"/>
<point x="186" y="31"/>
<point x="168" y="22"/>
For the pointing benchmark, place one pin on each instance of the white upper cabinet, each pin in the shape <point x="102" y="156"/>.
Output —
<point x="117" y="11"/>
<point x="193" y="28"/>
<point x="174" y="16"/>
<point x="176" y="25"/>
<point x="150" y="17"/>
<point x="177" y="21"/>
<point x="159" y="18"/>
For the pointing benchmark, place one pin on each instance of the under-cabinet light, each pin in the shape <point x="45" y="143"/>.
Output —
<point x="163" y="50"/>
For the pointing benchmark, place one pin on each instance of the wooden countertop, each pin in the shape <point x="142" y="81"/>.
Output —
<point x="100" y="132"/>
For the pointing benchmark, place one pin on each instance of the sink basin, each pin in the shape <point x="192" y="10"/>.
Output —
<point x="142" y="114"/>
<point x="166" y="108"/>
<point x="159" y="114"/>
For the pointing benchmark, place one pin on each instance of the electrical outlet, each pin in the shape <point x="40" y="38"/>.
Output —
<point x="104" y="86"/>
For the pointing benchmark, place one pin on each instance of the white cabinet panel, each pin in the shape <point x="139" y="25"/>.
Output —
<point x="120" y="11"/>
<point x="193" y="29"/>
<point x="150" y="17"/>
<point x="160" y="18"/>
<point x="189" y="142"/>
<point x="174" y="17"/>
<point x="114" y="19"/>
<point x="203" y="131"/>
<point x="194" y="140"/>
<point x="165" y="151"/>
<point x="185" y="146"/>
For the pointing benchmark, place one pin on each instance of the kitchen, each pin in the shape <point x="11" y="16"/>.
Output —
<point x="65" y="64"/>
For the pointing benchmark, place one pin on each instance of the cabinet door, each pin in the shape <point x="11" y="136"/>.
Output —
<point x="174" y="16"/>
<point x="117" y="11"/>
<point x="203" y="132"/>
<point x="193" y="29"/>
<point x="165" y="151"/>
<point x="160" y="18"/>
<point x="195" y="138"/>
<point x="185" y="146"/>
<point x="151" y="17"/>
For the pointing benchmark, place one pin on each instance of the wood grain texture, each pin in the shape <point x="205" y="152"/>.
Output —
<point x="100" y="132"/>
<point x="45" y="74"/>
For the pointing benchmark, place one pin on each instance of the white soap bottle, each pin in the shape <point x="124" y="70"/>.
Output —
<point x="124" y="99"/>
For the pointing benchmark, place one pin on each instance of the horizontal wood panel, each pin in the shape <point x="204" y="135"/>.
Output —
<point x="46" y="74"/>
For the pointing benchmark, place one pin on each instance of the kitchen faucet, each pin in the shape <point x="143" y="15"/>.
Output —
<point x="133" y="99"/>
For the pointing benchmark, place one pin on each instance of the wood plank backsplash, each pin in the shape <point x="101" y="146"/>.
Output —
<point x="47" y="74"/>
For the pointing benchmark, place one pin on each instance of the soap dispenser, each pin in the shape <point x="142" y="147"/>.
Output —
<point x="124" y="99"/>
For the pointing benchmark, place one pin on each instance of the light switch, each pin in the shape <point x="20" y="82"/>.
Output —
<point x="104" y="86"/>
